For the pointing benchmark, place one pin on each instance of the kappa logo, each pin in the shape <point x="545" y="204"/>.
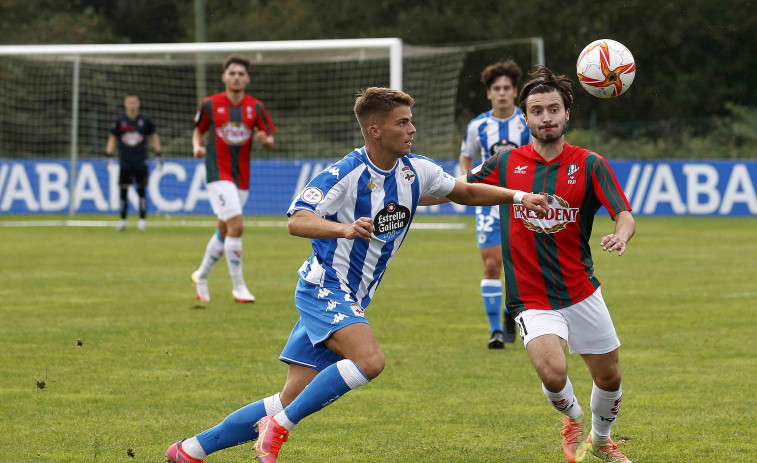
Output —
<point x="332" y="305"/>
<point x="339" y="317"/>
<point x="520" y="170"/>
<point x="370" y="186"/>
<point x="323" y="292"/>
<point x="333" y="171"/>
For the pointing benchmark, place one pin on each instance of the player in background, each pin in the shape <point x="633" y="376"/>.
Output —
<point x="357" y="212"/>
<point x="500" y="128"/>
<point x="130" y="132"/>
<point x="549" y="272"/>
<point x="231" y="120"/>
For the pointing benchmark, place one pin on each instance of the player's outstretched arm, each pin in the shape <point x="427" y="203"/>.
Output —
<point x="478" y="194"/>
<point x="625" y="227"/>
<point x="309" y="225"/>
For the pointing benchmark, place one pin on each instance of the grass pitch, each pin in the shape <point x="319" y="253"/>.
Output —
<point x="106" y="354"/>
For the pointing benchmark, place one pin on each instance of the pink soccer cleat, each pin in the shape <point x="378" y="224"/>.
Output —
<point x="270" y="437"/>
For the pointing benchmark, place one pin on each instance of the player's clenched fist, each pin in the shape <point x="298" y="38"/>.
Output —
<point x="537" y="203"/>
<point x="199" y="152"/>
<point x="361" y="228"/>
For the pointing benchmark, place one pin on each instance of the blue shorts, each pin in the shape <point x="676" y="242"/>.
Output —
<point x="322" y="312"/>
<point x="487" y="227"/>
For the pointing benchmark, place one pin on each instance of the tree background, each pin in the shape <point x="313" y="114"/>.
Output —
<point x="695" y="68"/>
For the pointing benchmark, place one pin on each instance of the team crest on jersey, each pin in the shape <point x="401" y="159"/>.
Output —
<point x="558" y="217"/>
<point x="572" y="169"/>
<point x="249" y="111"/>
<point x="312" y="195"/>
<point x="234" y="133"/>
<point x="501" y="147"/>
<point x="407" y="175"/>
<point x="391" y="220"/>
<point x="221" y="110"/>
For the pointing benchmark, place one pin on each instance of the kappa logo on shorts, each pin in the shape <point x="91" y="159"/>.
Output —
<point x="339" y="317"/>
<point x="323" y="292"/>
<point x="312" y="195"/>
<point x="332" y="305"/>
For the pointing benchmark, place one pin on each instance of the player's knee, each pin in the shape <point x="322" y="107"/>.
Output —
<point x="609" y="381"/>
<point x="372" y="365"/>
<point x="554" y="380"/>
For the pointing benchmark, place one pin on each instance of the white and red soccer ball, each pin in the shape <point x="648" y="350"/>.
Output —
<point x="605" y="68"/>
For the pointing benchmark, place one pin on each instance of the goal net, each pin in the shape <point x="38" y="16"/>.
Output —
<point x="57" y="105"/>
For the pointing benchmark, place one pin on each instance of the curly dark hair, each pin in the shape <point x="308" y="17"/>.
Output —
<point x="503" y="68"/>
<point x="545" y="81"/>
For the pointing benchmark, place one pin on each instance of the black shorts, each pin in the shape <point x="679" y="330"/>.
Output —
<point x="139" y="175"/>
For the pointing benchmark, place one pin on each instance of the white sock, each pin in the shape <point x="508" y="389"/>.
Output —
<point x="273" y="404"/>
<point x="564" y="401"/>
<point x="282" y="418"/>
<point x="193" y="448"/>
<point x="233" y="249"/>
<point x="213" y="252"/>
<point x="604" y="411"/>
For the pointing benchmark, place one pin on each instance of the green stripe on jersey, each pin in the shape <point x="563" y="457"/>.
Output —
<point x="545" y="179"/>
<point x="586" y="215"/>
<point x="235" y="116"/>
<point x="211" y="155"/>
<point x="260" y="114"/>
<point x="513" y="301"/>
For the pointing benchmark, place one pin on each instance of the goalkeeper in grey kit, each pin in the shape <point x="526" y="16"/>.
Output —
<point x="130" y="132"/>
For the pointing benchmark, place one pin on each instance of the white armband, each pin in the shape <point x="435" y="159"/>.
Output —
<point x="518" y="197"/>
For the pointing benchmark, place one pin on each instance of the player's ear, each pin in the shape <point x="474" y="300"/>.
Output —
<point x="374" y="131"/>
<point x="567" y="115"/>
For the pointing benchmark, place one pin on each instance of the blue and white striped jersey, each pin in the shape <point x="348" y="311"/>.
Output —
<point x="487" y="135"/>
<point x="352" y="188"/>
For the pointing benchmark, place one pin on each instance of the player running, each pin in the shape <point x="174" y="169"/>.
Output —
<point x="498" y="129"/>
<point x="357" y="213"/>
<point x="232" y="120"/>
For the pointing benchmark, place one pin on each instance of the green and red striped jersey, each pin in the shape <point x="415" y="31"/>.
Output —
<point x="231" y="126"/>
<point x="548" y="262"/>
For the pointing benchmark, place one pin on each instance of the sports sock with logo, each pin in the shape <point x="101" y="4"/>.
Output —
<point x="326" y="387"/>
<point x="564" y="401"/>
<point x="213" y="252"/>
<point x="232" y="247"/>
<point x="604" y="410"/>
<point x="237" y="428"/>
<point x="491" y="292"/>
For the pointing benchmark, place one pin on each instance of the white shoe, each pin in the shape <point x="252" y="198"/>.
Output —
<point x="242" y="294"/>
<point x="121" y="226"/>
<point x="141" y="225"/>
<point x="201" y="287"/>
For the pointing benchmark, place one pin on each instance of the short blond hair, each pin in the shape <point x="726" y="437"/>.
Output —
<point x="376" y="100"/>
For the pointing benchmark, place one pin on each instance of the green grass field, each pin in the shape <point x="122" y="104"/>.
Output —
<point x="154" y="367"/>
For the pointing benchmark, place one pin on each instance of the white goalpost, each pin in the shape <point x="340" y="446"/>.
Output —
<point x="57" y="104"/>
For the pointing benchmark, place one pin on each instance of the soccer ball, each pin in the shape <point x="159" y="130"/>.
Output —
<point x="605" y="68"/>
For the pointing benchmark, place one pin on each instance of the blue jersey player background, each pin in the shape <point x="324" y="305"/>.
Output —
<point x="357" y="212"/>
<point x="502" y="127"/>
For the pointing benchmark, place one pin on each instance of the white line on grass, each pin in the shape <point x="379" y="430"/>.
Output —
<point x="191" y="223"/>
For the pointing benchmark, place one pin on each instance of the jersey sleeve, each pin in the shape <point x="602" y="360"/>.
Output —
<point x="488" y="172"/>
<point x="471" y="147"/>
<point x="435" y="182"/>
<point x="323" y="195"/>
<point x="606" y="186"/>
<point x="149" y="126"/>
<point x="114" y="128"/>
<point x="263" y="120"/>
<point x="202" y="117"/>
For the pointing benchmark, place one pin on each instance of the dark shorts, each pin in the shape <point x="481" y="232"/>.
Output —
<point x="139" y="175"/>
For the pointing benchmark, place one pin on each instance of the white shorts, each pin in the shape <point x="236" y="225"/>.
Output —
<point x="226" y="199"/>
<point x="586" y="325"/>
